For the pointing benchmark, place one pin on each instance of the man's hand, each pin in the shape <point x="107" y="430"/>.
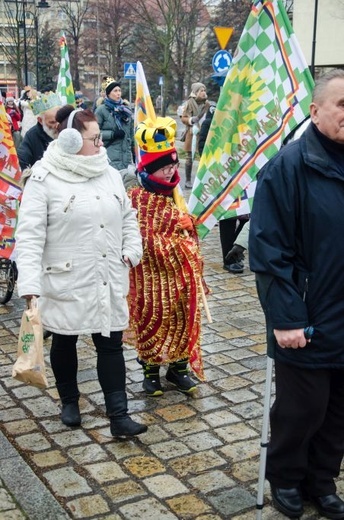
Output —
<point x="294" y="338"/>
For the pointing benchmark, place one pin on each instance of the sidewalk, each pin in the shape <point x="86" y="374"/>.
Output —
<point x="199" y="458"/>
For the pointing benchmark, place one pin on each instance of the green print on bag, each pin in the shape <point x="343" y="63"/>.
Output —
<point x="27" y="339"/>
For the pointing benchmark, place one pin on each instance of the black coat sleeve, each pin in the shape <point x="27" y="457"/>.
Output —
<point x="274" y="248"/>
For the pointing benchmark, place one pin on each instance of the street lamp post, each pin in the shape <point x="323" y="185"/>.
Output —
<point x="42" y="4"/>
<point x="25" y="43"/>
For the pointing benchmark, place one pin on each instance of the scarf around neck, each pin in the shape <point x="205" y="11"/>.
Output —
<point x="72" y="167"/>
<point x="119" y="110"/>
<point x="154" y="185"/>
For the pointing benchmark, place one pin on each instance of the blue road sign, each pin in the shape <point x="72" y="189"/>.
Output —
<point x="222" y="61"/>
<point x="130" y="70"/>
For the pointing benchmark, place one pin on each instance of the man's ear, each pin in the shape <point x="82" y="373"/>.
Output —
<point x="40" y="119"/>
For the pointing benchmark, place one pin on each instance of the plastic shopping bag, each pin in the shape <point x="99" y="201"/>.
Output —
<point x="29" y="367"/>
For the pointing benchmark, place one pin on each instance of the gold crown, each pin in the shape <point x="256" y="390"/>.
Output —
<point x="107" y="81"/>
<point x="156" y="136"/>
<point x="45" y="102"/>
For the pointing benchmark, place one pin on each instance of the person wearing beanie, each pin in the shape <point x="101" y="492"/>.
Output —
<point x="165" y="291"/>
<point x="193" y="114"/>
<point x="76" y="240"/>
<point x="115" y="121"/>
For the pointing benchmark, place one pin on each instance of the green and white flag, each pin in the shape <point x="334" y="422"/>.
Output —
<point x="266" y="94"/>
<point x="65" y="84"/>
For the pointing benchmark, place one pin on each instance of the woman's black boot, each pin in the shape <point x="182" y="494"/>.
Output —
<point x="121" y="425"/>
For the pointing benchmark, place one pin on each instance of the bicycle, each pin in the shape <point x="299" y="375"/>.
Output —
<point x="8" y="278"/>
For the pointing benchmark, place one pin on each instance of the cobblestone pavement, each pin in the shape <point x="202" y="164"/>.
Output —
<point x="199" y="458"/>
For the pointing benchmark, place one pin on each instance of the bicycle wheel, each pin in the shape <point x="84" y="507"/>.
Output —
<point x="7" y="279"/>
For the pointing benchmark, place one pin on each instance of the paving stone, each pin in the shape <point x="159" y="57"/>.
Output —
<point x="147" y="509"/>
<point x="126" y="449"/>
<point x="11" y="414"/>
<point x="33" y="442"/>
<point x="232" y="383"/>
<point x="235" y="432"/>
<point x="154" y="434"/>
<point x="212" y="481"/>
<point x="188" y="506"/>
<point x="169" y="449"/>
<point x="182" y="428"/>
<point x="202" y="441"/>
<point x="245" y="471"/>
<point x="196" y="463"/>
<point x="175" y="412"/>
<point x="48" y="459"/>
<point x="19" y="427"/>
<point x="124" y="491"/>
<point x="65" y="482"/>
<point x="86" y="454"/>
<point x="248" y="410"/>
<point x="71" y="437"/>
<point x="105" y="471"/>
<point x="164" y="486"/>
<point x="42" y="407"/>
<point x="144" y="466"/>
<point x="232" y="501"/>
<point x="23" y="392"/>
<point x="208" y="403"/>
<point x="241" y="450"/>
<point x="86" y="507"/>
<point x="220" y="417"/>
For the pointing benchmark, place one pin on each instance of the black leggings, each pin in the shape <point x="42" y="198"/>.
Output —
<point x="110" y="360"/>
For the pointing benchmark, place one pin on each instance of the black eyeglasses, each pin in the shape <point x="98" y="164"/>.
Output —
<point x="95" y="139"/>
<point x="166" y="170"/>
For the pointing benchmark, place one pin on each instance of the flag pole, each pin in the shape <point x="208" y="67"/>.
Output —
<point x="314" y="36"/>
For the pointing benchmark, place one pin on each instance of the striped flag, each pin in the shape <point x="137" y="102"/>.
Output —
<point x="64" y="83"/>
<point x="266" y="94"/>
<point x="10" y="189"/>
<point x="143" y="104"/>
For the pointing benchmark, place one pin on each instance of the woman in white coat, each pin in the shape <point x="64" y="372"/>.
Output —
<point x="76" y="240"/>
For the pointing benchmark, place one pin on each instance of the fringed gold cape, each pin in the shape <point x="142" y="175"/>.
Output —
<point x="165" y="288"/>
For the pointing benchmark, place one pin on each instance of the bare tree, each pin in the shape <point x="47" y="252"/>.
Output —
<point x="19" y="39"/>
<point x="169" y="38"/>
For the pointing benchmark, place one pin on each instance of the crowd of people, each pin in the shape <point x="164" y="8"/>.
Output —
<point x="121" y="261"/>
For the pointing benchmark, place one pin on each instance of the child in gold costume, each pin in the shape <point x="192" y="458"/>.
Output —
<point x="165" y="295"/>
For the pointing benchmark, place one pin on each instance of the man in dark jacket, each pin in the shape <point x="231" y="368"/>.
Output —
<point x="36" y="139"/>
<point x="298" y="256"/>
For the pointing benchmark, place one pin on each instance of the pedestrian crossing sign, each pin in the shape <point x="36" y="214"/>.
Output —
<point x="130" y="70"/>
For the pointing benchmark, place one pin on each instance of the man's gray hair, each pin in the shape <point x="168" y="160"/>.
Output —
<point x="322" y="82"/>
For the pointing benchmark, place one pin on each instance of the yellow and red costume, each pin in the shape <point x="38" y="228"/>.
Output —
<point x="165" y="291"/>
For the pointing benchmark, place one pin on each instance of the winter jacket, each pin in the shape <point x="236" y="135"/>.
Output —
<point x="203" y="133"/>
<point x="296" y="250"/>
<point x="190" y="112"/>
<point x="33" y="146"/>
<point x="70" y="241"/>
<point x="118" y="143"/>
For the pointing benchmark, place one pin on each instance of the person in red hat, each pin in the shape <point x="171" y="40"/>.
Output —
<point x="165" y="294"/>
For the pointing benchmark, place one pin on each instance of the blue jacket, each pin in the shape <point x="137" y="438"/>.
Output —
<point x="297" y="250"/>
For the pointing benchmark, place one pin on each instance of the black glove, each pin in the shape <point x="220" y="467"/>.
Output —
<point x="118" y="134"/>
<point x="236" y="254"/>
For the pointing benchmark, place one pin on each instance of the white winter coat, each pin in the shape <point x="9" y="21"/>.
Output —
<point x="70" y="241"/>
